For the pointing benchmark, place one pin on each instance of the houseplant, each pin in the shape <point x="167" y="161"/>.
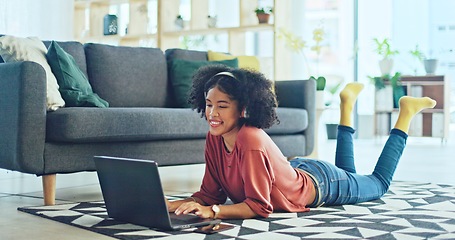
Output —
<point x="395" y="82"/>
<point x="298" y="45"/>
<point x="211" y="21"/>
<point x="179" y="23"/>
<point x="386" y="54"/>
<point x="418" y="55"/>
<point x="263" y="14"/>
<point x="429" y="64"/>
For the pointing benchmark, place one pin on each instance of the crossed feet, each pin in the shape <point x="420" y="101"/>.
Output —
<point x="409" y="106"/>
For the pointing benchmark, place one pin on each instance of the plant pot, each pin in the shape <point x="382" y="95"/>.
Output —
<point x="332" y="129"/>
<point x="386" y="65"/>
<point x="179" y="23"/>
<point x="211" y="22"/>
<point x="320" y="100"/>
<point x="430" y="66"/>
<point x="263" y="17"/>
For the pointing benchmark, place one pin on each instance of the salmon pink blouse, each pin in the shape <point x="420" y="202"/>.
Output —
<point x="255" y="172"/>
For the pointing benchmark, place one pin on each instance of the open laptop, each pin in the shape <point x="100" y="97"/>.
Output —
<point x="133" y="193"/>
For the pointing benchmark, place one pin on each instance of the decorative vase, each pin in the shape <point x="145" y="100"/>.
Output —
<point x="386" y="65"/>
<point x="263" y="17"/>
<point x="211" y="21"/>
<point x="430" y="65"/>
<point x="179" y="24"/>
<point x="110" y="25"/>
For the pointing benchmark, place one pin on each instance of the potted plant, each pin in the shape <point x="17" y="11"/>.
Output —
<point x="384" y="50"/>
<point x="418" y="55"/>
<point x="395" y="82"/>
<point x="211" y="21"/>
<point x="429" y="64"/>
<point x="179" y="23"/>
<point x="298" y="45"/>
<point x="263" y="14"/>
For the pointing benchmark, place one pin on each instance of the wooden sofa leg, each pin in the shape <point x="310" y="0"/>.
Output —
<point x="49" y="184"/>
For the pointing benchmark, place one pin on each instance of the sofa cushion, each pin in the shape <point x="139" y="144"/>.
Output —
<point x="181" y="73"/>
<point x="123" y="124"/>
<point x="292" y="121"/>
<point x="15" y="49"/>
<point x="73" y="84"/>
<point x="76" y="50"/>
<point x="193" y="55"/>
<point x="128" y="76"/>
<point x="146" y="124"/>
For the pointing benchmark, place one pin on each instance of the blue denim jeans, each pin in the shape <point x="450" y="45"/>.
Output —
<point x="340" y="184"/>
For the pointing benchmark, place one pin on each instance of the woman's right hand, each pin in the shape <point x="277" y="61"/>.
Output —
<point x="170" y="205"/>
<point x="173" y="205"/>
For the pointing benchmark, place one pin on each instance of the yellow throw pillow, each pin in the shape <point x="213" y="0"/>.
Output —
<point x="250" y="62"/>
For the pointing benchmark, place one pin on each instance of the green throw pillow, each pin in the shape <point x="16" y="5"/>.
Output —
<point x="73" y="84"/>
<point x="181" y="72"/>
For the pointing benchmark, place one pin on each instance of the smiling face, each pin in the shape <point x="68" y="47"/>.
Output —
<point x="223" y="115"/>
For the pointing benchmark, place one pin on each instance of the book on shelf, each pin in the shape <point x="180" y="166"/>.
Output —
<point x="416" y="127"/>
<point x="384" y="99"/>
<point x="382" y="124"/>
<point x="393" y="118"/>
<point x="416" y="91"/>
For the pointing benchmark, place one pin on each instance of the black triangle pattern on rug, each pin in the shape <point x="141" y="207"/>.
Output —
<point x="409" y="210"/>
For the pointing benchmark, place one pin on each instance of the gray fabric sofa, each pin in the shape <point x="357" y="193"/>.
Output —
<point x="141" y="122"/>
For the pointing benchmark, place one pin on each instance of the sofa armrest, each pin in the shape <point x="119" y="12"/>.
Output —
<point x="300" y="94"/>
<point x="23" y="116"/>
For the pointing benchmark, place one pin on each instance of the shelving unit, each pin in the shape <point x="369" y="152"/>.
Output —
<point x="151" y="24"/>
<point x="430" y="122"/>
<point x="88" y="21"/>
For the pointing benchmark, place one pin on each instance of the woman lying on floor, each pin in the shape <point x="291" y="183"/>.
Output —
<point x="244" y="164"/>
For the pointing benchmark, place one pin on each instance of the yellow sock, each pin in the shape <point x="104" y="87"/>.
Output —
<point x="409" y="107"/>
<point x="348" y="97"/>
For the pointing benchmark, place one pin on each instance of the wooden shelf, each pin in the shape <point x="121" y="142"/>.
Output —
<point x="430" y="122"/>
<point x="210" y="31"/>
<point x="89" y="14"/>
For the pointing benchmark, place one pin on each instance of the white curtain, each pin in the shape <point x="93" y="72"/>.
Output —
<point x="46" y="19"/>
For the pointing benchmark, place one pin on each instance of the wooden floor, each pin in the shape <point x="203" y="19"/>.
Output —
<point x="424" y="160"/>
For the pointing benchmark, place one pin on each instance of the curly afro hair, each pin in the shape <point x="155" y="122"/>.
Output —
<point x="251" y="89"/>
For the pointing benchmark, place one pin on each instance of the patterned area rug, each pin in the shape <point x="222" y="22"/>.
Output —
<point x="408" y="211"/>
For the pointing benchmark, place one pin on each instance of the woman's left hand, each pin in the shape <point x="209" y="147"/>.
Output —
<point x="195" y="208"/>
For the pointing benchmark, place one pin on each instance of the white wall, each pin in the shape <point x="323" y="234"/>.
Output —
<point x="374" y="20"/>
<point x="46" y="19"/>
<point x="411" y="28"/>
